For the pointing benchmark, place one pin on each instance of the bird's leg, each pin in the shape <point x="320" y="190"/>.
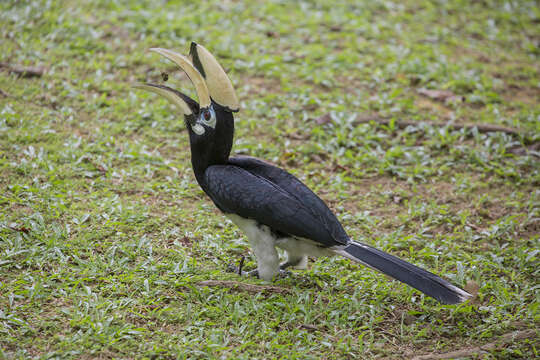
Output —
<point x="241" y="265"/>
<point x="263" y="245"/>
<point x="237" y="269"/>
<point x="267" y="261"/>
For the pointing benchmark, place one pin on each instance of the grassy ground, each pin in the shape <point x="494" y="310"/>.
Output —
<point x="105" y="236"/>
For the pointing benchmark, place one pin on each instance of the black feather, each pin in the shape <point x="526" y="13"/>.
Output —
<point x="236" y="190"/>
<point x="297" y="189"/>
<point x="420" y="279"/>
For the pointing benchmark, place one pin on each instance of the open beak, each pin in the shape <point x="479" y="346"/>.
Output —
<point x="184" y="103"/>
<point x="193" y="74"/>
<point x="210" y="81"/>
<point x="188" y="107"/>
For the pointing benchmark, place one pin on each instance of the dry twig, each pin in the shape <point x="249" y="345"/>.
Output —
<point x="483" y="128"/>
<point x="24" y="71"/>
<point x="471" y="351"/>
<point x="309" y="327"/>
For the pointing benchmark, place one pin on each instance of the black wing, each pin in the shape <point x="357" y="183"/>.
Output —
<point x="297" y="189"/>
<point x="273" y="198"/>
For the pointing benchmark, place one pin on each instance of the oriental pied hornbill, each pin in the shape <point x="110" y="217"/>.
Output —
<point x="271" y="206"/>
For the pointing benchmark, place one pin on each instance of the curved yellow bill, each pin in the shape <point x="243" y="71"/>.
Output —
<point x="167" y="94"/>
<point x="217" y="81"/>
<point x="194" y="75"/>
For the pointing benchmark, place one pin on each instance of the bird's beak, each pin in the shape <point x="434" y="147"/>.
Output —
<point x="219" y="85"/>
<point x="187" y="106"/>
<point x="193" y="74"/>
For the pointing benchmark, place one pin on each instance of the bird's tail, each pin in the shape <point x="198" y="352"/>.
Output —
<point x="428" y="283"/>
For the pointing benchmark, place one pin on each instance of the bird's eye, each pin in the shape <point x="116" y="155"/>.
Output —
<point x="208" y="117"/>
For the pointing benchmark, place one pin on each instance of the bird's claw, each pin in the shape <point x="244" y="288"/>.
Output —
<point x="237" y="269"/>
<point x="284" y="274"/>
<point x="231" y="268"/>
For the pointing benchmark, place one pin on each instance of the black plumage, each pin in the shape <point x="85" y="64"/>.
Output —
<point x="270" y="205"/>
<point x="257" y="190"/>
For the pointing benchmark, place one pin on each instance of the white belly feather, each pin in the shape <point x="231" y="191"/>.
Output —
<point x="264" y="242"/>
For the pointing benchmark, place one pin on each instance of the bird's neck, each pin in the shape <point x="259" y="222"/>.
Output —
<point x="213" y="151"/>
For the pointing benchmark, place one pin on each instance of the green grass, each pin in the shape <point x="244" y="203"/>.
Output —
<point x="104" y="234"/>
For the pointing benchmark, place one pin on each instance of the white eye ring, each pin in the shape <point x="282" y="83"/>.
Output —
<point x="211" y="122"/>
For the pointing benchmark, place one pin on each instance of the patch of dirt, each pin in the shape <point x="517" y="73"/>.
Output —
<point x="262" y="85"/>
<point x="529" y="230"/>
<point x="435" y="107"/>
<point x="110" y="30"/>
<point x="384" y="198"/>
<point x="352" y="84"/>
<point x="479" y="350"/>
<point x="381" y="183"/>
<point x="20" y="209"/>
<point x="461" y="51"/>
<point x="271" y="85"/>
<point x="516" y="94"/>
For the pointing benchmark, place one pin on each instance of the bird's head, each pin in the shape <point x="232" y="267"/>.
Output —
<point x="210" y="121"/>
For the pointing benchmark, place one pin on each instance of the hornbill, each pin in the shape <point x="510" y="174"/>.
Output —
<point x="271" y="206"/>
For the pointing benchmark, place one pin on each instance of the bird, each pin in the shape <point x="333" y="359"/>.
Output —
<point x="272" y="207"/>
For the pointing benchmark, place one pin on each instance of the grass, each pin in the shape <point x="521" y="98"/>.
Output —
<point x="105" y="236"/>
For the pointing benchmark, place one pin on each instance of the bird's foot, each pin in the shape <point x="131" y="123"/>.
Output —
<point x="231" y="268"/>
<point x="252" y="273"/>
<point x="282" y="274"/>
<point x="237" y="269"/>
<point x="255" y="273"/>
